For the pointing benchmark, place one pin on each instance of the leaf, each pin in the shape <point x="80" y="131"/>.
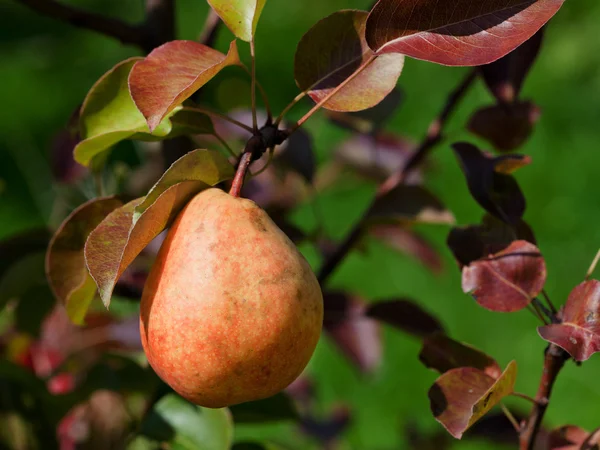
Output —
<point x="407" y="241"/>
<point x="25" y="274"/>
<point x="276" y="408"/>
<point x="65" y="260"/>
<point x="189" y="427"/>
<point x="462" y="396"/>
<point x="489" y="183"/>
<point x="356" y="335"/>
<point x="508" y="280"/>
<point x="124" y="233"/>
<point x="171" y="73"/>
<point x="240" y="16"/>
<point x="19" y="245"/>
<point x="579" y="333"/>
<point x="506" y="127"/>
<point x="443" y="354"/>
<point x="458" y="33"/>
<point x="331" y="51"/>
<point x="405" y="315"/>
<point x="474" y="242"/>
<point x="409" y="204"/>
<point x="299" y="155"/>
<point x="567" y="437"/>
<point x="505" y="76"/>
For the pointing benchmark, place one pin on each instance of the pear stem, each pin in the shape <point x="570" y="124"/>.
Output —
<point x="240" y="174"/>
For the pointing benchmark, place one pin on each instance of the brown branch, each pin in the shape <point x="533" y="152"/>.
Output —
<point x="159" y="26"/>
<point x="433" y="137"/>
<point x="115" y="28"/>
<point x="208" y="35"/>
<point x="554" y="360"/>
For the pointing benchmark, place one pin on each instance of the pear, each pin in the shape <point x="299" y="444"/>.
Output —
<point x="231" y="311"/>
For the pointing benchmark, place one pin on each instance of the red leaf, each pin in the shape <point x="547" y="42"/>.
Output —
<point x="506" y="127"/>
<point x="567" y="437"/>
<point x="508" y="280"/>
<point x="579" y="334"/>
<point x="462" y="396"/>
<point x="457" y="33"/>
<point x="505" y="77"/>
<point x="331" y="51"/>
<point x="442" y="353"/>
<point x="405" y="315"/>
<point x="171" y="73"/>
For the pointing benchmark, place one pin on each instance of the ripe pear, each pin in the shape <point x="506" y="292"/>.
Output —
<point x="231" y="311"/>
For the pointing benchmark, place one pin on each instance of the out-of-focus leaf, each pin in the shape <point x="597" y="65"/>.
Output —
<point x="506" y="127"/>
<point x="377" y="157"/>
<point x="299" y="155"/>
<point x="17" y="246"/>
<point x="489" y="183"/>
<point x="405" y="315"/>
<point x="407" y="241"/>
<point x="409" y="204"/>
<point x="356" y="335"/>
<point x="473" y="242"/>
<point x="462" y="396"/>
<point x="505" y="76"/>
<point x="65" y="261"/>
<point x="124" y="233"/>
<point x="34" y="305"/>
<point x="458" y="33"/>
<point x="249" y="446"/>
<point x="442" y="353"/>
<point x="189" y="427"/>
<point x="593" y="441"/>
<point x="579" y="333"/>
<point x="326" y="430"/>
<point x="23" y="275"/>
<point x="240" y="16"/>
<point x="64" y="167"/>
<point x="171" y="73"/>
<point x="331" y="51"/>
<point x="567" y="437"/>
<point x="272" y="409"/>
<point x="508" y="280"/>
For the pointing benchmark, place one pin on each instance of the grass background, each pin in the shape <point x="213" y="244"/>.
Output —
<point x="47" y="67"/>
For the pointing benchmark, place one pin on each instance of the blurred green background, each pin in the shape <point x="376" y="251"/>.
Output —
<point x="47" y="67"/>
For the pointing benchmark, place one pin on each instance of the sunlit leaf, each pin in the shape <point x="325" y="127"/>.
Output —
<point x="331" y="51"/>
<point x="65" y="260"/>
<point x="457" y="33"/>
<point x="506" y="127"/>
<point x="462" y="396"/>
<point x="119" y="238"/>
<point x="442" y="353"/>
<point x="506" y="281"/>
<point x="240" y="16"/>
<point x="405" y="315"/>
<point x="579" y="333"/>
<point x="171" y="73"/>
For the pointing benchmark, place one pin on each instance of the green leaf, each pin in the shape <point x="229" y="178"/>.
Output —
<point x="189" y="427"/>
<point x="240" y="16"/>
<point x="21" y="276"/>
<point x="171" y="73"/>
<point x="275" y="408"/>
<point x="124" y="233"/>
<point x="65" y="261"/>
<point x="331" y="51"/>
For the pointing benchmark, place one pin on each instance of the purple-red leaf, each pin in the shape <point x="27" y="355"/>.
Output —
<point x="409" y="204"/>
<point x="171" y="73"/>
<point x="489" y="181"/>
<point x="409" y="242"/>
<point x="442" y="354"/>
<point x="405" y="315"/>
<point x="124" y="233"/>
<point x="567" y="437"/>
<point x="456" y="33"/>
<point x="506" y="281"/>
<point x="505" y="77"/>
<point x="505" y="126"/>
<point x="357" y="336"/>
<point x="65" y="260"/>
<point x="331" y="51"/>
<point x="462" y="396"/>
<point x="579" y="334"/>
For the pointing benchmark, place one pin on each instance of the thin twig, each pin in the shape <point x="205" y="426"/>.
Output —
<point x="263" y="95"/>
<point x="554" y="360"/>
<point x="544" y="314"/>
<point x="253" y="84"/>
<point x="510" y="417"/>
<point x="523" y="396"/>
<point x="126" y="33"/>
<point x="267" y="164"/>
<point x="434" y="135"/>
<point x="159" y="25"/>
<point x="549" y="302"/>
<point x="588" y="275"/>
<point x="293" y="103"/>
<point x="224" y="143"/>
<point x="218" y="115"/>
<point x="209" y="31"/>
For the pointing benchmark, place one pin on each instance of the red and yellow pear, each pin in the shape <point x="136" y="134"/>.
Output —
<point x="231" y="311"/>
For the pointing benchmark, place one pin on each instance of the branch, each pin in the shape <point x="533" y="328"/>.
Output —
<point x="127" y="34"/>
<point x="159" y="25"/>
<point x="210" y="28"/>
<point x="433" y="137"/>
<point x="554" y="360"/>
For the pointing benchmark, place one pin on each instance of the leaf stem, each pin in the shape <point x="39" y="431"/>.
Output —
<point x="510" y="417"/>
<point x="434" y="136"/>
<point x="588" y="275"/>
<point x="549" y="302"/>
<point x="218" y="115"/>
<point x="523" y="396"/>
<point x="263" y="95"/>
<point x="253" y="84"/>
<point x="224" y="144"/>
<point x="267" y="163"/>
<point x="293" y="103"/>
<point x="542" y="312"/>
